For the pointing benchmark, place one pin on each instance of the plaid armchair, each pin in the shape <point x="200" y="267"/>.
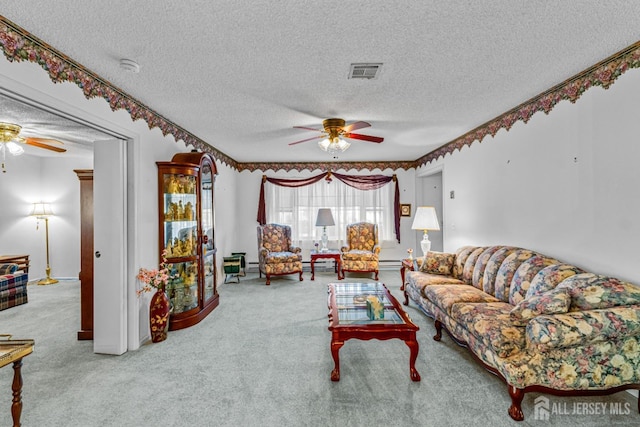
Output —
<point x="361" y="254"/>
<point x="13" y="286"/>
<point x="276" y="255"/>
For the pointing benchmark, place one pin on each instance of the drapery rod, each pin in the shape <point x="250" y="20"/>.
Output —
<point x="394" y="176"/>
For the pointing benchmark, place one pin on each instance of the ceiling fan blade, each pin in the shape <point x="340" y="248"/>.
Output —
<point x="40" y="143"/>
<point x="356" y="126"/>
<point x="306" y="128"/>
<point x="367" y="138"/>
<point x="305" y="140"/>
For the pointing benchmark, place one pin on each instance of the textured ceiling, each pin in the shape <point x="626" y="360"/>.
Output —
<point x="76" y="138"/>
<point x="241" y="74"/>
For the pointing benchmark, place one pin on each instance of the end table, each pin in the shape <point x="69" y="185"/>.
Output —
<point x="407" y="264"/>
<point x="334" y="254"/>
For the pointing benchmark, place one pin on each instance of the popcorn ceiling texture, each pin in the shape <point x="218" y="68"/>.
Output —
<point x="240" y="75"/>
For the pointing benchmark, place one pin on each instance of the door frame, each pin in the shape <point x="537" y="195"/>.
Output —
<point x="438" y="169"/>
<point x="37" y="98"/>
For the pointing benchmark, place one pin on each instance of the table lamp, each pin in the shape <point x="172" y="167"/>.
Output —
<point x="425" y="219"/>
<point x="324" y="219"/>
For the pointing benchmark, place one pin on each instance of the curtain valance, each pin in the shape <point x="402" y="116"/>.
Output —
<point x="361" y="182"/>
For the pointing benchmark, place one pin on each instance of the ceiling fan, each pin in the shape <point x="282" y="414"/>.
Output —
<point x="10" y="140"/>
<point x="333" y="133"/>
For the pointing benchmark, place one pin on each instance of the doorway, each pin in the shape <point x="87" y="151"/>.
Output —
<point x="429" y="192"/>
<point x="82" y="133"/>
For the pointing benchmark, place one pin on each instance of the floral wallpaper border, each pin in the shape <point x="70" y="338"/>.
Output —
<point x="602" y="74"/>
<point x="19" y="45"/>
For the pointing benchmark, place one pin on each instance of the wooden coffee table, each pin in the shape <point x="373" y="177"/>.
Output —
<point x="348" y="319"/>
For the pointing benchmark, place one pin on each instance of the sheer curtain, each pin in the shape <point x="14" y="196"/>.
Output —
<point x="298" y="207"/>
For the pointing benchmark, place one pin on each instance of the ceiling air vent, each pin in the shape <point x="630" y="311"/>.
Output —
<point x="365" y="71"/>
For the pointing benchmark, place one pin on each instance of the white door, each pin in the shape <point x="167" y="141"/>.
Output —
<point x="110" y="244"/>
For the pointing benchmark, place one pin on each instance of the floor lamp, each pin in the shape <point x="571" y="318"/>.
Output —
<point x="43" y="211"/>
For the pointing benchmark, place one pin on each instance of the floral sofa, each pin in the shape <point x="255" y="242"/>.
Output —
<point x="539" y="324"/>
<point x="13" y="286"/>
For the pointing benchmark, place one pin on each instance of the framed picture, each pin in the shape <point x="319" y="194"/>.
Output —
<point x="405" y="210"/>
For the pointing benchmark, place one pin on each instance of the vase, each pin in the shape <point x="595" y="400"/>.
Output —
<point x="159" y="316"/>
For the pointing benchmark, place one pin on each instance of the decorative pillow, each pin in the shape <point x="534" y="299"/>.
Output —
<point x="8" y="268"/>
<point x="592" y="291"/>
<point x="549" y="277"/>
<point x="438" y="263"/>
<point x="555" y="301"/>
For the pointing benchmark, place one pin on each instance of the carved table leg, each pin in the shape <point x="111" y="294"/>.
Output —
<point x="335" y="348"/>
<point x="515" y="410"/>
<point x="414" y="348"/>
<point x="313" y="271"/>
<point x="438" y="335"/>
<point x="16" y="387"/>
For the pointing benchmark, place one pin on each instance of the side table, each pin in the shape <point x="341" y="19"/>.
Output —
<point x="407" y="264"/>
<point x="12" y="352"/>
<point x="334" y="254"/>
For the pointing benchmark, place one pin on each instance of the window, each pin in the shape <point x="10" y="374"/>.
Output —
<point x="298" y="207"/>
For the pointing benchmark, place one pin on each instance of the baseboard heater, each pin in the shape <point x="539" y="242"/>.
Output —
<point x="385" y="264"/>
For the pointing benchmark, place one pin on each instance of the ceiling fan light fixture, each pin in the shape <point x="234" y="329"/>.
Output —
<point x="333" y="145"/>
<point x="9" y="132"/>
<point x="14" y="149"/>
<point x="324" y="144"/>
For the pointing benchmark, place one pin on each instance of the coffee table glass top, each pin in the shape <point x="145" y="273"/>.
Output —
<point x="351" y="304"/>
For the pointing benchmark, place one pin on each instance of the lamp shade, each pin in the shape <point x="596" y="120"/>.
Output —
<point x="325" y="218"/>
<point x="425" y="219"/>
<point x="41" y="210"/>
<point x="14" y="148"/>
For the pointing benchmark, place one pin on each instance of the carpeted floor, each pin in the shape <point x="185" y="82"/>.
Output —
<point x="261" y="358"/>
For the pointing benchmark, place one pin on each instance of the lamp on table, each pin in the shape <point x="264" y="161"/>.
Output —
<point x="425" y="219"/>
<point x="324" y="219"/>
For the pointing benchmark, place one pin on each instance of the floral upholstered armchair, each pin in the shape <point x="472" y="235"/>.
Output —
<point x="361" y="252"/>
<point x="276" y="255"/>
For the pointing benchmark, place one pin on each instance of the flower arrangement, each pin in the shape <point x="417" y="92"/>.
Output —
<point x="154" y="279"/>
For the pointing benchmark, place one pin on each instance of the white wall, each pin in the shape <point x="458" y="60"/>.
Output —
<point x="248" y="184"/>
<point x="565" y="184"/>
<point x="31" y="179"/>
<point x="35" y="179"/>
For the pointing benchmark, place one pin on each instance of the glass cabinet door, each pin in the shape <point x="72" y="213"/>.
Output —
<point x="186" y="235"/>
<point x="208" y="245"/>
<point x="180" y="223"/>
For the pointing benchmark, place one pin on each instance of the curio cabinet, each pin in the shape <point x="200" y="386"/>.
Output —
<point x="187" y="236"/>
